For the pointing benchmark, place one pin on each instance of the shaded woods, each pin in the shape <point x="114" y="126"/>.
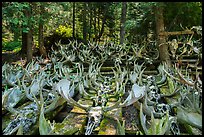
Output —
<point x="108" y="68"/>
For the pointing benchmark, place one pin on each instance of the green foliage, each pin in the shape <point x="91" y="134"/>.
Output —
<point x="13" y="13"/>
<point x="64" y="31"/>
<point x="11" y="46"/>
<point x="58" y="17"/>
<point x="185" y="14"/>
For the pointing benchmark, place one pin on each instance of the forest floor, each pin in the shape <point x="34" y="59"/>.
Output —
<point x="11" y="57"/>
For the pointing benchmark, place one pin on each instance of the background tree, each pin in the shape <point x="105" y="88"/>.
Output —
<point x="94" y="21"/>
<point x="40" y="33"/>
<point x="84" y="14"/>
<point x="123" y="18"/>
<point x="29" y="42"/>
<point x="73" y="23"/>
<point x="163" y="48"/>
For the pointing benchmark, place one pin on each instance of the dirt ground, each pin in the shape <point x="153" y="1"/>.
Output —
<point x="11" y="57"/>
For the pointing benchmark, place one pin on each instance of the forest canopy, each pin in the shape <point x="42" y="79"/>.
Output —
<point x="27" y="25"/>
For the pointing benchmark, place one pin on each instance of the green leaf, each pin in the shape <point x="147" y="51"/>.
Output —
<point x="15" y="21"/>
<point x="25" y="30"/>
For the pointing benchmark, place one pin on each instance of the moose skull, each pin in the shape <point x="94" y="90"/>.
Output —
<point x="95" y="114"/>
<point x="94" y="119"/>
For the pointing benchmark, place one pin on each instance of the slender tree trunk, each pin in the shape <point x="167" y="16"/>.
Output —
<point x="163" y="48"/>
<point x="29" y="36"/>
<point x="73" y="21"/>
<point x="24" y="44"/>
<point x="98" y="19"/>
<point x="102" y="28"/>
<point x="90" y="20"/>
<point x="84" y="23"/>
<point x="95" y="31"/>
<point x="123" y="19"/>
<point x="40" y="35"/>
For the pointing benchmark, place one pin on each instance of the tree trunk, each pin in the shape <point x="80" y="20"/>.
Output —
<point x="73" y="21"/>
<point x="29" y="47"/>
<point x="102" y="28"/>
<point x="84" y="23"/>
<point x="163" y="47"/>
<point x="90" y="20"/>
<point x="29" y="36"/>
<point x="123" y="19"/>
<point x="98" y="26"/>
<point x="95" y="31"/>
<point x="40" y="35"/>
<point x="24" y="44"/>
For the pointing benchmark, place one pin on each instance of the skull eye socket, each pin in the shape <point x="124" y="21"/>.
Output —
<point x="92" y="118"/>
<point x="152" y="79"/>
<point x="164" y="108"/>
<point x="154" y="90"/>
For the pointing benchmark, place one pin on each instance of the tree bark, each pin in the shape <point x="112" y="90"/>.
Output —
<point x="84" y="23"/>
<point x="90" y="20"/>
<point x="73" y="21"/>
<point x="123" y="19"/>
<point x="40" y="35"/>
<point x="95" y="31"/>
<point x="103" y="24"/>
<point x="29" y="36"/>
<point x="102" y="28"/>
<point x="24" y="44"/>
<point x="98" y="25"/>
<point x="163" y="47"/>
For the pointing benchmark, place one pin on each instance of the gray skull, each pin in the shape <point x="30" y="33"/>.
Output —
<point x="162" y="108"/>
<point x="153" y="93"/>
<point x="95" y="114"/>
<point x="94" y="119"/>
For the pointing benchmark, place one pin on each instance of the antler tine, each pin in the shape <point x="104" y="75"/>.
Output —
<point x="116" y="105"/>
<point x="161" y="73"/>
<point x="140" y="76"/>
<point x="170" y="75"/>
<point x="82" y="91"/>
<point x="72" y="101"/>
<point x="7" y="80"/>
<point x="65" y="91"/>
<point x="26" y="88"/>
<point x="182" y="79"/>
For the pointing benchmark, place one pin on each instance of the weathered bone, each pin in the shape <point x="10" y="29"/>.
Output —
<point x="63" y="87"/>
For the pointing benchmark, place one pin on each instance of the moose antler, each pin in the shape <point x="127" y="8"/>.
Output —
<point x="181" y="78"/>
<point x="63" y="87"/>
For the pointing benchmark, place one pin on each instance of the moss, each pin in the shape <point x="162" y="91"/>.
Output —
<point x="165" y="91"/>
<point x="71" y="124"/>
<point x="107" y="127"/>
<point x="52" y="114"/>
<point x="6" y="120"/>
<point x="74" y="122"/>
<point x="65" y="129"/>
<point x="117" y="112"/>
<point x="191" y="130"/>
<point x="8" y="117"/>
